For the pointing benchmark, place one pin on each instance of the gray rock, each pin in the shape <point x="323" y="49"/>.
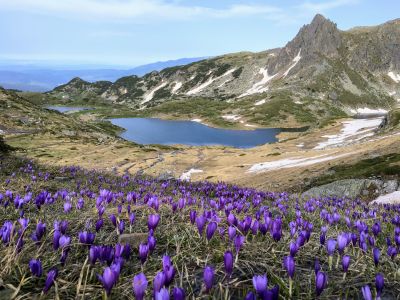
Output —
<point x="68" y="132"/>
<point x="350" y="188"/>
<point x="61" y="179"/>
<point x="168" y="175"/>
<point x="133" y="239"/>
<point x="390" y="186"/>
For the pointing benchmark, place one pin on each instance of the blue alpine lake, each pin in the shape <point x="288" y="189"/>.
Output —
<point x="64" y="109"/>
<point x="165" y="132"/>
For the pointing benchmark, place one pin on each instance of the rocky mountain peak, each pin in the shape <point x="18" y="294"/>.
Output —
<point x="320" y="37"/>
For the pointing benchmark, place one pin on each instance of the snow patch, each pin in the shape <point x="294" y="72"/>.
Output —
<point x="196" y="120"/>
<point x="259" y="87"/>
<point x="392" y="93"/>
<point x="261" y="102"/>
<point x="187" y="175"/>
<point x="176" y="87"/>
<point x="225" y="82"/>
<point x="392" y="198"/>
<point x="369" y="111"/>
<point x="298" y="102"/>
<point x="353" y="130"/>
<point x="394" y="76"/>
<point x="292" y="163"/>
<point x="231" y="117"/>
<point x="150" y="95"/>
<point x="301" y="145"/>
<point x="202" y="86"/>
<point x="295" y="62"/>
<point x="250" y="125"/>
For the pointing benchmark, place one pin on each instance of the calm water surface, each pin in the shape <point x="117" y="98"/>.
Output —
<point x="64" y="109"/>
<point x="166" y="132"/>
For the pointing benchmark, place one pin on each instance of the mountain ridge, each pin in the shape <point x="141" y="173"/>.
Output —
<point x="321" y="66"/>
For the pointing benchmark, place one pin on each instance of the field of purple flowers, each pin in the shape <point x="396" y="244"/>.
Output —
<point x="70" y="233"/>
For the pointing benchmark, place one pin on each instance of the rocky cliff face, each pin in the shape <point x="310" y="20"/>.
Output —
<point x="322" y="64"/>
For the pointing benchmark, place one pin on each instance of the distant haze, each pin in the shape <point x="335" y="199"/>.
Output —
<point x="33" y="77"/>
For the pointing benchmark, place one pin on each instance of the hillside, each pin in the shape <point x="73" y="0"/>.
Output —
<point x="321" y="74"/>
<point x="19" y="116"/>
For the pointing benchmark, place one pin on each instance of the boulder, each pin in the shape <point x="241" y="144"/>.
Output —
<point x="133" y="239"/>
<point x="350" y="188"/>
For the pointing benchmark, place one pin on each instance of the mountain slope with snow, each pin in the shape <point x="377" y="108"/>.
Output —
<point x="323" y="69"/>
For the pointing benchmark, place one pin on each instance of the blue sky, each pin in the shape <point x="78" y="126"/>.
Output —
<point x="134" y="32"/>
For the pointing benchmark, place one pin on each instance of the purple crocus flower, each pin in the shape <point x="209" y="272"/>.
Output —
<point x="320" y="282"/>
<point x="139" y="285"/>
<point x="200" y="222"/>
<point x="208" y="277"/>
<point x="132" y="218"/>
<point x="260" y="283"/>
<point x="231" y="232"/>
<point x="163" y="294"/>
<point x="289" y="265"/>
<point x="376" y="254"/>
<point x="379" y="284"/>
<point x="276" y="230"/>
<point x="143" y="252"/>
<point x="293" y="248"/>
<point x="64" y="241"/>
<point x="158" y="281"/>
<point x="121" y="227"/>
<point x="113" y="219"/>
<point x="61" y="226"/>
<point x="56" y="239"/>
<point x="192" y="216"/>
<point x="179" y="293"/>
<point x="39" y="232"/>
<point x="86" y="237"/>
<point x="108" y="279"/>
<point x="24" y="223"/>
<point x="36" y="267"/>
<point x="366" y="292"/>
<point x="239" y="241"/>
<point x="94" y="254"/>
<point x="168" y="270"/>
<point x="67" y="207"/>
<point x="80" y="203"/>
<point x="345" y="263"/>
<point x="342" y="242"/>
<point x="51" y="277"/>
<point x="392" y="251"/>
<point x="99" y="224"/>
<point x="211" y="228"/>
<point x="151" y="242"/>
<point x="330" y="246"/>
<point x="250" y="296"/>
<point x="152" y="221"/>
<point x="228" y="262"/>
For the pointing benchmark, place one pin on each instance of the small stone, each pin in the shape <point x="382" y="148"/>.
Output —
<point x="133" y="239"/>
<point x="61" y="179"/>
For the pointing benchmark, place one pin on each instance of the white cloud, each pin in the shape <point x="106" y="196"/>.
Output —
<point x="132" y="10"/>
<point x="324" y="6"/>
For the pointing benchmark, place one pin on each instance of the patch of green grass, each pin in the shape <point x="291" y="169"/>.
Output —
<point x="383" y="166"/>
